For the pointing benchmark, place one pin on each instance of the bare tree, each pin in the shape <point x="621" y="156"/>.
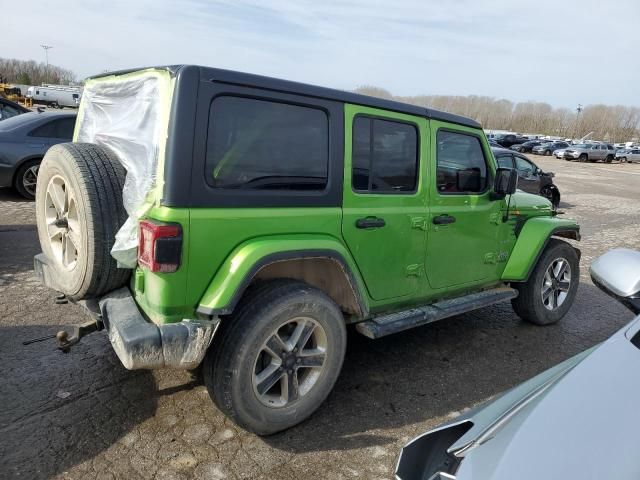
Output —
<point x="31" y="72"/>
<point x="611" y="123"/>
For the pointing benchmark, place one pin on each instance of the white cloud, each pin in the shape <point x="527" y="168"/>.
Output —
<point x="560" y="52"/>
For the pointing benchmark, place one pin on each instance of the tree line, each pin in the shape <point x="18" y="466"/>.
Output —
<point x="609" y="123"/>
<point x="30" y="72"/>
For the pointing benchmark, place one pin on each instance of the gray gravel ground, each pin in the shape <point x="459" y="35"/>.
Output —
<point x="82" y="415"/>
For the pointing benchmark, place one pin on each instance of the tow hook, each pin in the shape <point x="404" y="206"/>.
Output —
<point x="67" y="339"/>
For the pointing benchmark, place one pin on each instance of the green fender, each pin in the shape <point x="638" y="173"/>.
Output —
<point x="532" y="239"/>
<point x="248" y="258"/>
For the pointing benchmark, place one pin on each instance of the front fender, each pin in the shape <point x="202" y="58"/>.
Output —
<point x="532" y="240"/>
<point x="237" y="271"/>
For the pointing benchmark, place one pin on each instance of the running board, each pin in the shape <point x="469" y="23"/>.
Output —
<point x="399" y="321"/>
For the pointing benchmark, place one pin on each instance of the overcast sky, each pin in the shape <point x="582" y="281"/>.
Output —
<point x="560" y="51"/>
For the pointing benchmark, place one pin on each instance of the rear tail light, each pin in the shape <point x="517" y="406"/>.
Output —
<point x="160" y="246"/>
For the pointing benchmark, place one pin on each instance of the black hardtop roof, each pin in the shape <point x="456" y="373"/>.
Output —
<point x="269" y="83"/>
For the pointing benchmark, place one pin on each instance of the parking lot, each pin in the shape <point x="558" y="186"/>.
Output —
<point x="82" y="415"/>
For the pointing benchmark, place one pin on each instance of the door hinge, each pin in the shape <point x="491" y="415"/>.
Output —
<point x="415" y="270"/>
<point x="419" y="223"/>
<point x="490" y="258"/>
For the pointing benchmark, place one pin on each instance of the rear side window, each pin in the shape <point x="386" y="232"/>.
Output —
<point x="461" y="166"/>
<point x="61" y="128"/>
<point x="384" y="156"/>
<point x="259" y="144"/>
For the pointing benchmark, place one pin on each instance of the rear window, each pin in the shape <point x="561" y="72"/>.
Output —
<point x="61" y="128"/>
<point x="260" y="144"/>
<point x="385" y="156"/>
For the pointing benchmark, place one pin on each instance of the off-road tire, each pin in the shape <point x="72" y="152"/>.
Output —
<point x="229" y="365"/>
<point x="528" y="305"/>
<point x="19" y="177"/>
<point x="96" y="179"/>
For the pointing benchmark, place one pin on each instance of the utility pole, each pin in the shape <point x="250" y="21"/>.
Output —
<point x="46" y="54"/>
<point x="579" y="109"/>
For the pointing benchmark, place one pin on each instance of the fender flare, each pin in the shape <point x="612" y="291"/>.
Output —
<point x="532" y="239"/>
<point x="238" y="270"/>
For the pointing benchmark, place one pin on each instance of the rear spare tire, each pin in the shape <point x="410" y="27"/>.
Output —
<point x="79" y="210"/>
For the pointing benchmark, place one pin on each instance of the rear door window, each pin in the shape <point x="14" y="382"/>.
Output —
<point x="461" y="165"/>
<point x="261" y="144"/>
<point x="385" y="156"/>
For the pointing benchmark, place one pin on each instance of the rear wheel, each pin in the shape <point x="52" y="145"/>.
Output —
<point x="26" y="178"/>
<point x="609" y="159"/>
<point x="552" y="286"/>
<point x="274" y="362"/>
<point x="79" y="210"/>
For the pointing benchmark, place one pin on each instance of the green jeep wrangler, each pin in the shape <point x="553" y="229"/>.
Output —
<point x="257" y="217"/>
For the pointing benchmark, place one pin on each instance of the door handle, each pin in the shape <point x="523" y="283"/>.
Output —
<point x="443" y="219"/>
<point x="370" y="222"/>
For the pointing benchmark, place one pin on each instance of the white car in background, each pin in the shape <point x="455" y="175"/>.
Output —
<point x="559" y="153"/>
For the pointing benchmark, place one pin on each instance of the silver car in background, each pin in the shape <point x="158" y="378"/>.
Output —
<point x="631" y="155"/>
<point x="577" y="420"/>
<point x="590" y="152"/>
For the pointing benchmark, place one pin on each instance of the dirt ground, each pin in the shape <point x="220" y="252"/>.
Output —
<point x="82" y="415"/>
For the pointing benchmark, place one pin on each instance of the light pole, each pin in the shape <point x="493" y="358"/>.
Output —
<point x="578" y="110"/>
<point x="46" y="55"/>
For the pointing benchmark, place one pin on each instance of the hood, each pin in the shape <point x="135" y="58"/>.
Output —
<point x="529" y="205"/>
<point x="551" y="425"/>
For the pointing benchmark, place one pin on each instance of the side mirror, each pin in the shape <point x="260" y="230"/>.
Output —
<point x="617" y="273"/>
<point x="505" y="183"/>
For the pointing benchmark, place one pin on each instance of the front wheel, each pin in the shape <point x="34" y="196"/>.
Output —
<point x="275" y="361"/>
<point x="547" y="153"/>
<point x="26" y="179"/>
<point x="583" y="157"/>
<point x="552" y="286"/>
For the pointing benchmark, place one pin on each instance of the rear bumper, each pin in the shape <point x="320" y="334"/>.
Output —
<point x="143" y="345"/>
<point x="138" y="343"/>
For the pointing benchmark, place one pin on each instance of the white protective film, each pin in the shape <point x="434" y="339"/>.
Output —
<point x="129" y="115"/>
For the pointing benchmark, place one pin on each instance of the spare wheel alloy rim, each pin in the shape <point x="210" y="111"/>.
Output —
<point x="290" y="362"/>
<point x="63" y="226"/>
